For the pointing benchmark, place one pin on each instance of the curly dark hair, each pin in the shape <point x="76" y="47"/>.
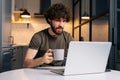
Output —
<point x="57" y="11"/>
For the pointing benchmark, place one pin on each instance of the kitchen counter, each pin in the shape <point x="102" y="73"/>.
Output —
<point x="15" y="45"/>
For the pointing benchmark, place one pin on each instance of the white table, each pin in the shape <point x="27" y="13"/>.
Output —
<point x="46" y="74"/>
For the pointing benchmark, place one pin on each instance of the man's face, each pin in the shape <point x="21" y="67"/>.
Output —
<point x="57" y="25"/>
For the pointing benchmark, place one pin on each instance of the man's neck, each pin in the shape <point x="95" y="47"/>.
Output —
<point x="51" y="32"/>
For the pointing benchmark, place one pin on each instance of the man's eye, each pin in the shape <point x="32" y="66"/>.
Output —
<point x="57" y="20"/>
<point x="64" y="20"/>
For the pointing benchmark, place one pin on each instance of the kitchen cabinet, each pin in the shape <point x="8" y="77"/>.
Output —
<point x="36" y="6"/>
<point x="7" y="56"/>
<point x="13" y="58"/>
<point x="18" y="56"/>
<point x="44" y="6"/>
<point x="98" y="8"/>
<point x="115" y="32"/>
<point x="30" y="5"/>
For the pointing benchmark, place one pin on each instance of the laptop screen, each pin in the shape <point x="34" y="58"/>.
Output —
<point x="87" y="57"/>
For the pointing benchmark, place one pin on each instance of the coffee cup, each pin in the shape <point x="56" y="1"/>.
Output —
<point x="58" y="54"/>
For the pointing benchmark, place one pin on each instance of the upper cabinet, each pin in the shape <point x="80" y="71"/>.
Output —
<point x="35" y="8"/>
<point x="30" y="5"/>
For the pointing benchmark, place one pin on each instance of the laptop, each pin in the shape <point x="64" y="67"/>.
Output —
<point x="86" y="58"/>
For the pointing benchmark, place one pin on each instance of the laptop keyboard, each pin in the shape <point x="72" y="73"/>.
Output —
<point x="58" y="71"/>
<point x="61" y="70"/>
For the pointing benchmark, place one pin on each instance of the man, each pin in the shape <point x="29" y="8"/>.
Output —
<point x="42" y="42"/>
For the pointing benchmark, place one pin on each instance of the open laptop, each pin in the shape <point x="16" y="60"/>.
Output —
<point x="86" y="58"/>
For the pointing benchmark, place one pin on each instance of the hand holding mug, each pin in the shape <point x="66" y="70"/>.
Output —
<point x="48" y="57"/>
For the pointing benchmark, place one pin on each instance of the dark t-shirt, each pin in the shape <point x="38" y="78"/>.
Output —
<point x="43" y="41"/>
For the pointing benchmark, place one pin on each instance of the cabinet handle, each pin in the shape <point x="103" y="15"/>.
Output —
<point x="13" y="59"/>
<point x="113" y="37"/>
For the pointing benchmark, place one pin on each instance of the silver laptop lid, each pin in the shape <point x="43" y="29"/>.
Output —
<point x="87" y="57"/>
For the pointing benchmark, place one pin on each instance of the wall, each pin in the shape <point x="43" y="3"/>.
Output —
<point x="100" y="31"/>
<point x="100" y="28"/>
<point x="22" y="34"/>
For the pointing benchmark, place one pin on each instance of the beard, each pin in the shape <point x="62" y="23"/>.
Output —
<point x="58" y="30"/>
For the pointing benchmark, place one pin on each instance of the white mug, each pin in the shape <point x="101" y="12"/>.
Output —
<point x="58" y="54"/>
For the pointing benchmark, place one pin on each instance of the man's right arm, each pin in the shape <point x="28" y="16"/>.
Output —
<point x="29" y="60"/>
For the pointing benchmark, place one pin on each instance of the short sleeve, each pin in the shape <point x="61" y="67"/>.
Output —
<point x="35" y="41"/>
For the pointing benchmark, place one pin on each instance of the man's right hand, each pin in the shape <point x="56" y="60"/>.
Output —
<point x="48" y="57"/>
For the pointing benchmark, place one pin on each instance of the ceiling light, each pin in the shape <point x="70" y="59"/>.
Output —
<point x="25" y="14"/>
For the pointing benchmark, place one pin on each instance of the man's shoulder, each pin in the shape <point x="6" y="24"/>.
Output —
<point x="67" y="36"/>
<point x="42" y="32"/>
<point x="66" y="33"/>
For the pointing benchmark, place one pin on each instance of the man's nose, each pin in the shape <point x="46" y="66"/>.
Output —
<point x="61" y="23"/>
